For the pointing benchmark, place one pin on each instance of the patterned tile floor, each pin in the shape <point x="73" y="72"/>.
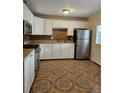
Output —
<point x="67" y="76"/>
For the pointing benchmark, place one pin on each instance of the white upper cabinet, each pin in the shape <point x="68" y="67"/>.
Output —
<point x="64" y="24"/>
<point x="39" y="26"/>
<point x="42" y="26"/>
<point x="27" y="14"/>
<point x="70" y="28"/>
<point x="48" y="27"/>
<point x="32" y="22"/>
<point x="80" y="24"/>
<point x="70" y="25"/>
<point x="77" y="24"/>
<point x="60" y="23"/>
<point x="57" y="24"/>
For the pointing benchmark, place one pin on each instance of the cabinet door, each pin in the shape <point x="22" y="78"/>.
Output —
<point x="27" y="77"/>
<point x="56" y="23"/>
<point x="64" y="50"/>
<point x="32" y="63"/>
<point x="64" y="23"/>
<point x="70" y="28"/>
<point x="32" y="22"/>
<point x="26" y="14"/>
<point x="71" y="51"/>
<point x="80" y="24"/>
<point x="29" y="16"/>
<point x="70" y="31"/>
<point x="48" y="27"/>
<point x="48" y="51"/>
<point x="60" y="24"/>
<point x="42" y="52"/>
<point x="39" y="26"/>
<point x="56" y="53"/>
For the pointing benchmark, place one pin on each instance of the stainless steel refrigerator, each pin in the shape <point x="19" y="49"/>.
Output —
<point x="82" y="39"/>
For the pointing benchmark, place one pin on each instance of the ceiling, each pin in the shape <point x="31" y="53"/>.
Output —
<point x="79" y="8"/>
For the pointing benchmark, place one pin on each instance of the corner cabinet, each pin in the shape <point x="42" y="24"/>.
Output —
<point x="29" y="71"/>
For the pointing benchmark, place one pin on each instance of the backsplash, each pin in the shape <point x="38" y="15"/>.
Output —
<point x="26" y="38"/>
<point x="46" y="37"/>
<point x="40" y="37"/>
<point x="59" y="34"/>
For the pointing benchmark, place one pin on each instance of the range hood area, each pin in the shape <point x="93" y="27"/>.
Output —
<point x="59" y="34"/>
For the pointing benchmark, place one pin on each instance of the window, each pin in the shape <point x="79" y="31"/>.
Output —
<point x="98" y="34"/>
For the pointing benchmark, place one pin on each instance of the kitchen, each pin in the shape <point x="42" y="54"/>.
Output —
<point x="51" y="54"/>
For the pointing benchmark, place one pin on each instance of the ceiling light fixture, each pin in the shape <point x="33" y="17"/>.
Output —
<point x="66" y="11"/>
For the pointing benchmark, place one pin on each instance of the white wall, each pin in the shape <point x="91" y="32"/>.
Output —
<point x="95" y="48"/>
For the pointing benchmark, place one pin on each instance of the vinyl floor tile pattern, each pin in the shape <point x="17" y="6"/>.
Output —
<point x="67" y="76"/>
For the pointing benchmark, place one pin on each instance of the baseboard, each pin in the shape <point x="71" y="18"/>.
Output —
<point x="57" y="59"/>
<point x="71" y="59"/>
<point x="95" y="63"/>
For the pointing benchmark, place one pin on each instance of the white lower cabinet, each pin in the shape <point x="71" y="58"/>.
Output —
<point x="64" y="50"/>
<point x="57" y="51"/>
<point x="67" y="50"/>
<point x="71" y="51"/>
<point x="32" y="63"/>
<point x="29" y="72"/>
<point x="27" y="78"/>
<point x="42" y="52"/>
<point x="48" y="51"/>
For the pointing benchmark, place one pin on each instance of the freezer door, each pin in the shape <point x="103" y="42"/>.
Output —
<point x="83" y="49"/>
<point x="83" y="34"/>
